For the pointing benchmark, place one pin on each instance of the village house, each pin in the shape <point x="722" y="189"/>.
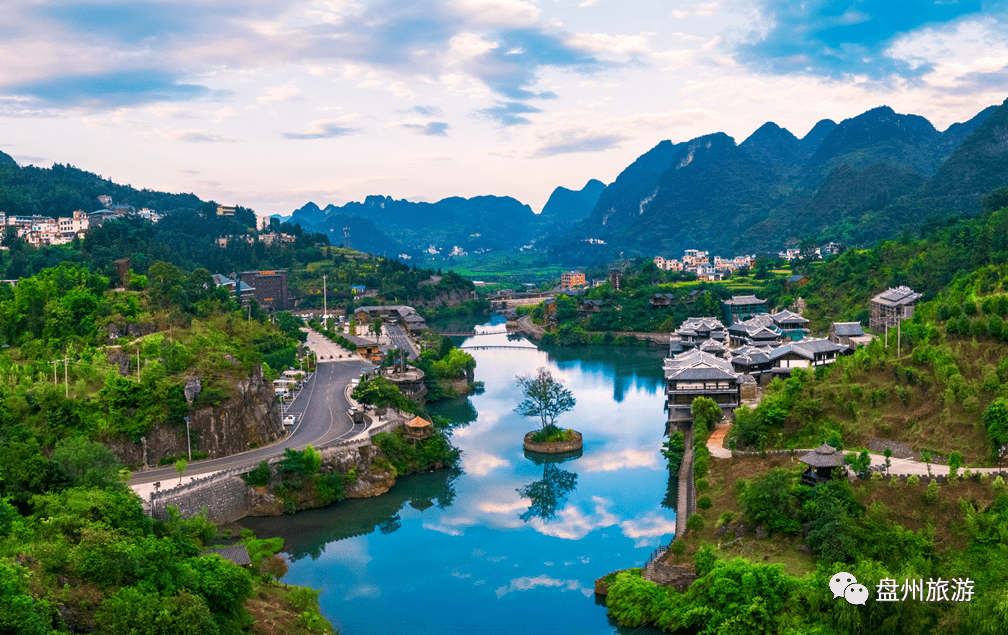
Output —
<point x="753" y="361"/>
<point x="695" y="374"/>
<point x="572" y="279"/>
<point x="743" y="307"/>
<point x="849" y="334"/>
<point x="791" y="324"/>
<point x="759" y="330"/>
<point x="808" y="353"/>
<point x="668" y="264"/>
<point x="892" y="306"/>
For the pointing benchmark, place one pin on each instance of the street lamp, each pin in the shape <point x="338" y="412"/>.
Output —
<point x="188" y="437"/>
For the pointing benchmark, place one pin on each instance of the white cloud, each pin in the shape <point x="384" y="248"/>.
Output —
<point x="287" y="92"/>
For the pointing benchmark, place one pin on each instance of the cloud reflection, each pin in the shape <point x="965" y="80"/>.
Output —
<point x="528" y="583"/>
<point x="620" y="459"/>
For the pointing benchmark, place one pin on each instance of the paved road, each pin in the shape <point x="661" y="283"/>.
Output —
<point x="400" y="340"/>
<point x="321" y="407"/>
<point x="326" y="349"/>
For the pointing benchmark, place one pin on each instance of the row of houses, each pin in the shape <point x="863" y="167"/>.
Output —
<point x="817" y="253"/>
<point x="699" y="262"/>
<point x="727" y="363"/>
<point x="43" y="231"/>
<point x="267" y="238"/>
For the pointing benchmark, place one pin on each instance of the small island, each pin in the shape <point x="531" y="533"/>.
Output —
<point x="547" y="398"/>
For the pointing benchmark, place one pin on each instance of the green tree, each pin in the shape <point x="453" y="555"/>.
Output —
<point x="18" y="614"/>
<point x="545" y="397"/>
<point x="995" y="419"/>
<point x="180" y="467"/>
<point x="706" y="413"/>
<point x="87" y="462"/>
<point x="224" y="585"/>
<point x="955" y="462"/>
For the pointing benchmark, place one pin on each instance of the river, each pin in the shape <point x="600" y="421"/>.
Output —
<point x="462" y="551"/>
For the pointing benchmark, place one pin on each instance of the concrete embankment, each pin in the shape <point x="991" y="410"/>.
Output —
<point x="227" y="497"/>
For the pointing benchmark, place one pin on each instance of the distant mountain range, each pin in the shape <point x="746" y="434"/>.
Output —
<point x="382" y="224"/>
<point x="866" y="178"/>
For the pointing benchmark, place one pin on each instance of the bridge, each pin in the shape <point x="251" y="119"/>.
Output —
<point x="457" y="333"/>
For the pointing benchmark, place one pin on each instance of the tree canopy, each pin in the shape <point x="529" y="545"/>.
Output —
<point x="545" y="397"/>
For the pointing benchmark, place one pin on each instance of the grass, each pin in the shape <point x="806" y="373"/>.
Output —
<point x="275" y="609"/>
<point x="926" y="420"/>
<point x="721" y="476"/>
<point x="904" y="505"/>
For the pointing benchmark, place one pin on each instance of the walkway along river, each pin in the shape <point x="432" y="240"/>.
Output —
<point x="507" y="543"/>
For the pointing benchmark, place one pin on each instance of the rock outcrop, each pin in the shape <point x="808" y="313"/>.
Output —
<point x="250" y="418"/>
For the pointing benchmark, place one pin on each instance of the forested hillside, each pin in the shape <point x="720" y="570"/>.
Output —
<point x="864" y="179"/>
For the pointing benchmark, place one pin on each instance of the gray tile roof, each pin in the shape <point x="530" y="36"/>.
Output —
<point x="237" y="554"/>
<point x="742" y="300"/>
<point x="848" y="329"/>
<point x="695" y="364"/>
<point x="788" y="317"/>
<point x="897" y="296"/>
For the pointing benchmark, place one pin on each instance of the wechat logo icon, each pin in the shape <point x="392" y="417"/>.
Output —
<point x="846" y="585"/>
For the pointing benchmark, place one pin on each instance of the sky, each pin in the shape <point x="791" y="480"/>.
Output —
<point x="270" y="104"/>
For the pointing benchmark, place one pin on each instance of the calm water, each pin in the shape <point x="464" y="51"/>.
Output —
<point x="463" y="551"/>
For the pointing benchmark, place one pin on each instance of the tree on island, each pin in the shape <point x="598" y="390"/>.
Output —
<point x="545" y="397"/>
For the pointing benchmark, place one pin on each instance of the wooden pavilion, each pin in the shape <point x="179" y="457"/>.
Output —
<point x="418" y="429"/>
<point x="822" y="463"/>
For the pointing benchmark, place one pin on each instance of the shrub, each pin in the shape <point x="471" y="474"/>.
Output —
<point x="768" y="500"/>
<point x="931" y="494"/>
<point x="968" y="474"/>
<point x="704" y="502"/>
<point x="725" y="517"/>
<point x="700" y="467"/>
<point x="984" y="477"/>
<point x="695" y="522"/>
<point x="954" y="462"/>
<point x="702" y="485"/>
<point x="633" y="601"/>
<point x="913" y="480"/>
<point x="876" y="476"/>
<point x="998" y="485"/>
<point x="678" y="547"/>
<point x="259" y="475"/>
<point x="895" y="482"/>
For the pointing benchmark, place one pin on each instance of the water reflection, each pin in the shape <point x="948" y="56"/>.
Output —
<point x="549" y="494"/>
<point x="459" y="556"/>
<point x="307" y="533"/>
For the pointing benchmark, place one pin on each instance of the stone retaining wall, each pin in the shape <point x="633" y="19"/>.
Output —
<point x="558" y="447"/>
<point x="225" y="496"/>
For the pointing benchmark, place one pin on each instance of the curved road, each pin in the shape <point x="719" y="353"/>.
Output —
<point x="321" y="408"/>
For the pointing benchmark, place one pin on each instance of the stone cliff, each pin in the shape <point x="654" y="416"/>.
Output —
<point x="372" y="480"/>
<point x="250" y="418"/>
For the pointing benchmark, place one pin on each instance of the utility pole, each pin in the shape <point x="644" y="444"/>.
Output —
<point x="898" y="337"/>
<point x="66" y="382"/>
<point x="54" y="372"/>
<point x="325" y="304"/>
<point x="138" y="364"/>
<point x="188" y="437"/>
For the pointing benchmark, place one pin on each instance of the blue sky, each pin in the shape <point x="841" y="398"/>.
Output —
<point x="270" y="104"/>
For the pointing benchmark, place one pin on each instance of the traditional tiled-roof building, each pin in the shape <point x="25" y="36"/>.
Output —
<point x="695" y="374"/>
<point x="743" y="307"/>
